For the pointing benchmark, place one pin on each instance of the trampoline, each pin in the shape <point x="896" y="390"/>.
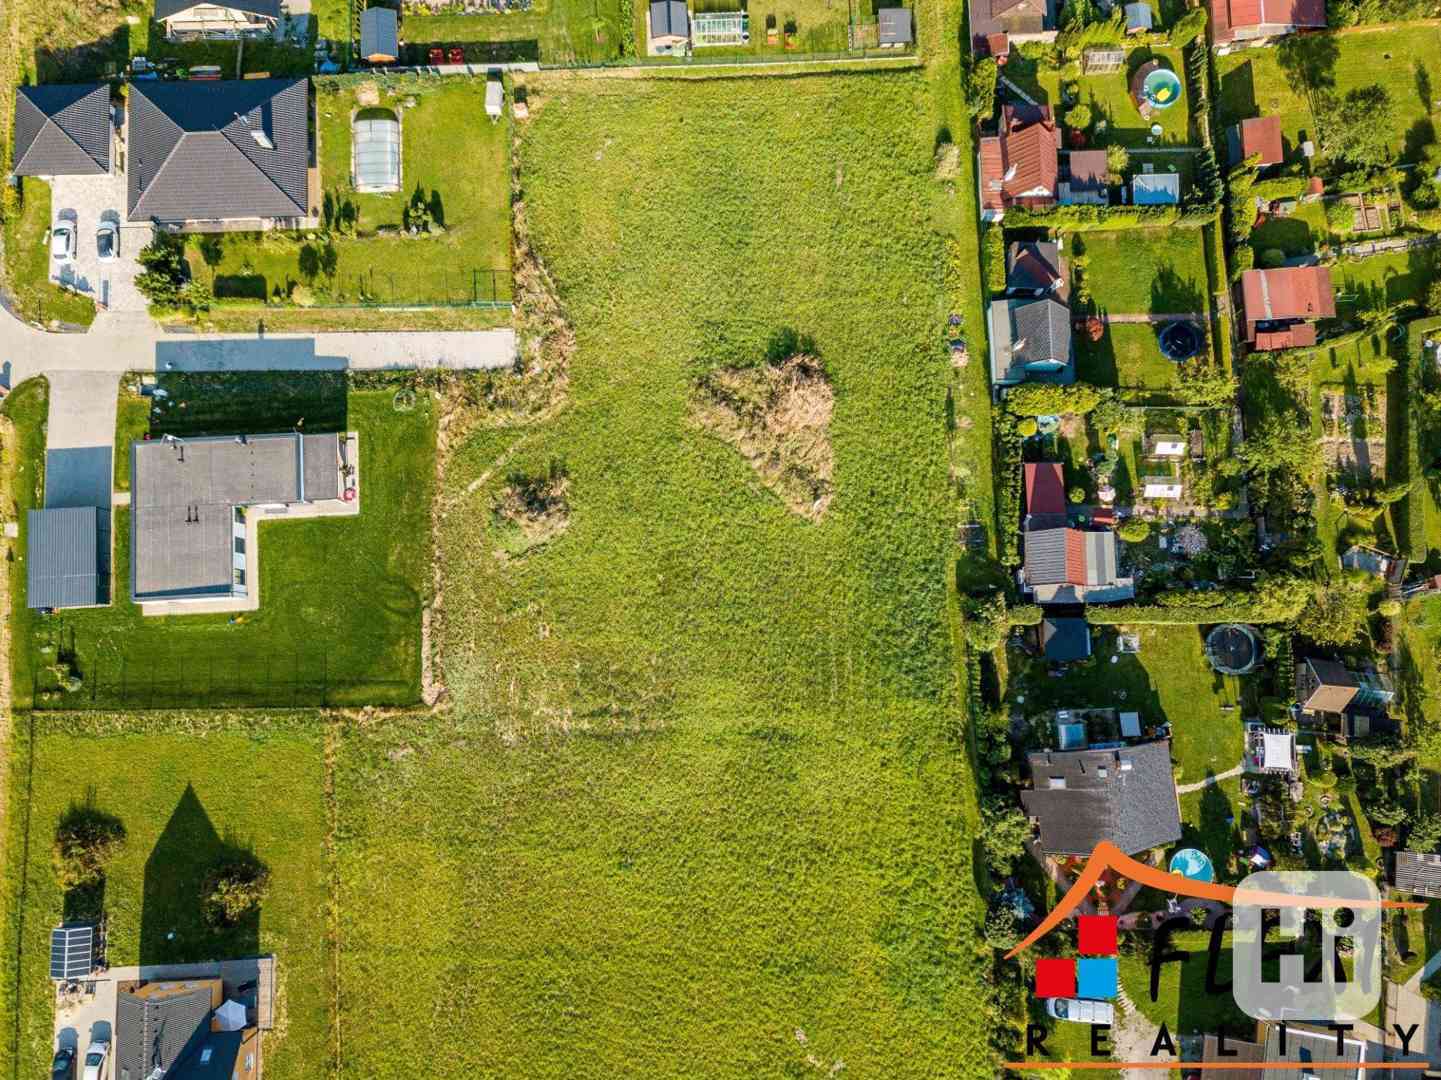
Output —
<point x="1233" y="649"/>
<point x="1179" y="340"/>
<point x="375" y="151"/>
<point x="1194" y="864"/>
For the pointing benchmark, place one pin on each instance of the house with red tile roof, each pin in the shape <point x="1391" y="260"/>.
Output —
<point x="1074" y="566"/>
<point x="1020" y="165"/>
<point x="1259" y="136"/>
<point x="1238" y="23"/>
<point x="1283" y="305"/>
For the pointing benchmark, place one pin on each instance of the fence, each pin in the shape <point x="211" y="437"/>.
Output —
<point x="276" y="680"/>
<point x="458" y="287"/>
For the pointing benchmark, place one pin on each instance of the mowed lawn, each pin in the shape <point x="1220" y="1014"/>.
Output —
<point x="1269" y="82"/>
<point x="702" y="806"/>
<point x="183" y="788"/>
<point x="451" y="153"/>
<point x="341" y="598"/>
<point x="564" y="31"/>
<point x="1129" y="356"/>
<point x="1144" y="271"/>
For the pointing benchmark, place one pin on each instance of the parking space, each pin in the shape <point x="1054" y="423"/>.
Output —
<point x="84" y="203"/>
<point x="85" y="1014"/>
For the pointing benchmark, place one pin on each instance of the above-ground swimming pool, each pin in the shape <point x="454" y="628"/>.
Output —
<point x="1193" y="863"/>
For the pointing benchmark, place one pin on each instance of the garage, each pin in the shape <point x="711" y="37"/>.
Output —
<point x="375" y="151"/>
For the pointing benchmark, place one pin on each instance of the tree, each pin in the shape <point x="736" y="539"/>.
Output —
<point x="1271" y="258"/>
<point x="1355" y="127"/>
<point x="981" y="87"/>
<point x="1433" y="297"/>
<point x="1134" y="531"/>
<point x="1080" y="117"/>
<point x="1118" y="163"/>
<point x="196" y="296"/>
<point x="235" y="888"/>
<point x="1004" y="831"/>
<point x="165" y="270"/>
<point x="1425" y="833"/>
<point x="85" y="841"/>
<point x="1335" y="614"/>
<point x="1273" y="446"/>
<point x="1188" y="27"/>
<point x="1002" y="929"/>
<point x="1339" y="216"/>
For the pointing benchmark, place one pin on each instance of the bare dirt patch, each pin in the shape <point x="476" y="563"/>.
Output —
<point x="1353" y="432"/>
<point x="778" y="415"/>
<point x="530" y="511"/>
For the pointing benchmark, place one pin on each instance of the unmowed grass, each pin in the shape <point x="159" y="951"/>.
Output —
<point x="701" y="805"/>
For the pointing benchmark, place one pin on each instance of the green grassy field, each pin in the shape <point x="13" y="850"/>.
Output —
<point x="450" y="151"/>
<point x="27" y="262"/>
<point x="341" y="598"/>
<point x="182" y="789"/>
<point x="1383" y="280"/>
<point x="1268" y="82"/>
<point x="563" y="31"/>
<point x="1144" y="271"/>
<point x="1300" y="233"/>
<point x="698" y="741"/>
<point x="1128" y="356"/>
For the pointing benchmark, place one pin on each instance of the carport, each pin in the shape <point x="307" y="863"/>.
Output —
<point x="375" y="151"/>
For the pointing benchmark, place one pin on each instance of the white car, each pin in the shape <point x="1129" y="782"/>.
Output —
<point x="95" y="1058"/>
<point x="62" y="241"/>
<point x="107" y="241"/>
<point x="1081" y="1010"/>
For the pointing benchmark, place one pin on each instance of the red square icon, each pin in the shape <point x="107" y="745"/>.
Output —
<point x="1097" y="935"/>
<point x="1055" y="978"/>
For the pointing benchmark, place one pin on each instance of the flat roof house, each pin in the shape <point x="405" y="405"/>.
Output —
<point x="894" y="27"/>
<point x="1283" y="305"/>
<point x="669" y="23"/>
<point x="379" y="35"/>
<point x="1259" y="136"/>
<point x="1242" y="21"/>
<point x="1126" y="795"/>
<point x="989" y="18"/>
<point x="62" y="130"/>
<point x="1074" y="566"/>
<point x="1156" y="189"/>
<point x="1307" y="1047"/>
<point x="1030" y="341"/>
<point x="67" y="557"/>
<point x="205" y="154"/>
<point x="191" y="538"/>
<point x="1020" y="166"/>
<point x="183" y="1030"/>
<point x="186" y="20"/>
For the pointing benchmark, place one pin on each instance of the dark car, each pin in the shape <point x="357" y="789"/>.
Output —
<point x="63" y="1067"/>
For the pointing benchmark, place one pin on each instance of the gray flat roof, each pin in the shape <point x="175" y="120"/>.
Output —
<point x="184" y="495"/>
<point x="65" y="566"/>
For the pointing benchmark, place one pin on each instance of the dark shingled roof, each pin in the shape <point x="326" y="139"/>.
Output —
<point x="895" y="26"/>
<point x="64" y="563"/>
<point x="165" y="9"/>
<point x="62" y="130"/>
<point x="378" y="33"/>
<point x="1065" y="639"/>
<point x="192" y="154"/>
<point x="156" y="1031"/>
<point x="668" y="18"/>
<point x="1126" y="796"/>
<point x="1418" y="873"/>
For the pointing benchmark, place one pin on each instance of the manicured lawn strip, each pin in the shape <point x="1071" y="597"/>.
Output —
<point x="339" y="617"/>
<point x="132" y="421"/>
<point x="1144" y="271"/>
<point x="564" y="31"/>
<point x="1182" y="1001"/>
<point x="180" y="794"/>
<point x="1205" y="814"/>
<point x="24" y="460"/>
<point x="450" y="151"/>
<point x="27" y="262"/>
<point x="245" y="319"/>
<point x="1383" y="280"/>
<point x="1267" y="82"/>
<point x="641" y="704"/>
<point x="1299" y="233"/>
<point x="1128" y="355"/>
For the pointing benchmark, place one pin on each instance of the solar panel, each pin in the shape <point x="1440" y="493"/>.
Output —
<point x="71" y="951"/>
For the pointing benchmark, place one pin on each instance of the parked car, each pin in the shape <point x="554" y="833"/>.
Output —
<point x="63" y="1067"/>
<point x="107" y="241"/>
<point x="1081" y="1010"/>
<point x="95" y="1057"/>
<point x="62" y="241"/>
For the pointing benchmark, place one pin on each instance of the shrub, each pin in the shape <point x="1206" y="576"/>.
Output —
<point x="165" y="270"/>
<point x="1077" y="494"/>
<point x="1433" y="297"/>
<point x="1272" y="258"/>
<point x="1079" y="118"/>
<point x="235" y="888"/>
<point x="1045" y="399"/>
<point x="1339" y="216"/>
<point x="1188" y="27"/>
<point x="1026" y="427"/>
<point x="85" y="841"/>
<point x="1389" y="608"/>
<point x="1134" y="531"/>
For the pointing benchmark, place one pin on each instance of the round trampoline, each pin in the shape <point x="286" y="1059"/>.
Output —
<point x="1233" y="649"/>
<point x="1179" y="340"/>
<point x="1193" y="863"/>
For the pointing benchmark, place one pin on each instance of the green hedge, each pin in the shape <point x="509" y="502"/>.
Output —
<point x="1281" y="187"/>
<point x="1085" y="218"/>
<point x="1277" y="599"/>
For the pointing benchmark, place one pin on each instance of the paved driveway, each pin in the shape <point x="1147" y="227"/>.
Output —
<point x="86" y="201"/>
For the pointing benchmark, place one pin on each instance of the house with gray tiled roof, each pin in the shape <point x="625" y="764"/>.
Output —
<point x="1074" y="566"/>
<point x="212" y="154"/>
<point x="1125" y="795"/>
<point x="62" y="130"/>
<point x="1030" y="341"/>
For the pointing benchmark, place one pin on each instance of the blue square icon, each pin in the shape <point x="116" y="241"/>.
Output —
<point x="1096" y="977"/>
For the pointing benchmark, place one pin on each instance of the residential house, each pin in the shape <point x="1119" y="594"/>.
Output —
<point x="1258" y="137"/>
<point x="1238" y="1053"/>
<point x="669" y="24"/>
<point x="67" y="557"/>
<point x="1417" y="873"/>
<point x="1237" y="23"/>
<point x="1305" y="1048"/>
<point x="1389" y="568"/>
<point x="1363" y="722"/>
<point x="1030" y="340"/>
<point x="1156" y="189"/>
<point x="1282" y="306"/>
<point x="1125" y="795"/>
<point x="1036" y="268"/>
<point x="1020" y="165"/>
<point x="1087" y="179"/>
<point x="1325" y="688"/>
<point x="1063" y="565"/>
<point x="1065" y="640"/>
<point x="183" y="1030"/>
<point x="1032" y="19"/>
<point x="219" y="155"/>
<point x="379" y="35"/>
<point x="895" y="29"/>
<point x="187" y="20"/>
<point x="63" y="130"/>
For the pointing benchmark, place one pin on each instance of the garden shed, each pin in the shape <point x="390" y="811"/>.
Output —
<point x="379" y="35"/>
<point x="1102" y="61"/>
<point x="375" y="151"/>
<point x="494" y="99"/>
